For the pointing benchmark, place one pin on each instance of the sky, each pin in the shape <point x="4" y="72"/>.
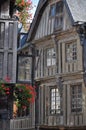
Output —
<point x="35" y="3"/>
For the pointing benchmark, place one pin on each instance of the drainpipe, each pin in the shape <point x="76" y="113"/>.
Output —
<point x="33" y="64"/>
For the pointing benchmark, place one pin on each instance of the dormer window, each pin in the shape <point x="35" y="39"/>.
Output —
<point x="59" y="7"/>
<point x="56" y="12"/>
<point x="59" y="16"/>
<point x="52" y="10"/>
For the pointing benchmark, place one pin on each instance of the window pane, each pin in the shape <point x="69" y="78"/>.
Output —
<point x="59" y="7"/>
<point x="2" y="34"/>
<point x="71" y="52"/>
<point x="76" y="98"/>
<point x="48" y="62"/>
<point x="55" y="101"/>
<point x="51" y="57"/>
<point x="52" y="10"/>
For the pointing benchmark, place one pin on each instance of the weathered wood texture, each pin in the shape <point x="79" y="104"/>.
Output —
<point x="8" y="49"/>
<point x="25" y="123"/>
<point x="71" y="72"/>
<point x="46" y="25"/>
<point x="46" y="77"/>
<point x="4" y="124"/>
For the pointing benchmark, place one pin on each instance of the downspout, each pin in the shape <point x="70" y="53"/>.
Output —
<point x="33" y="64"/>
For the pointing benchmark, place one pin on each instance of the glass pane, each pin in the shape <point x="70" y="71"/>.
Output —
<point x="76" y="98"/>
<point x="48" y="62"/>
<point x="55" y="100"/>
<point x="71" y="52"/>
<point x="51" y="58"/>
<point x="2" y="34"/>
<point x="52" y="10"/>
<point x="59" y="7"/>
<point x="24" y="68"/>
<point x="53" y="61"/>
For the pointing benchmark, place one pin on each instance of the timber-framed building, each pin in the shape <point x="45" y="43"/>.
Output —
<point x="8" y="58"/>
<point x="60" y="64"/>
<point x="58" y="32"/>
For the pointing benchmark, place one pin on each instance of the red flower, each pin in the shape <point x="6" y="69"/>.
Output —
<point x="7" y="92"/>
<point x="7" y="79"/>
<point x="24" y="107"/>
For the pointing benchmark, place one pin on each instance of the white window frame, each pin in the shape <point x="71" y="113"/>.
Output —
<point x="51" y="57"/>
<point x="55" y="107"/>
<point x="71" y="52"/>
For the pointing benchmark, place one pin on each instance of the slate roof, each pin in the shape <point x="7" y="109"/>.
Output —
<point x="77" y="9"/>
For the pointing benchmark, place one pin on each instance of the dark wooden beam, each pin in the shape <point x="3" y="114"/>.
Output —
<point x="2" y="2"/>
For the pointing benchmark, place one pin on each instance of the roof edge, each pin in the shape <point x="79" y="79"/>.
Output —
<point x="39" y="11"/>
<point x="69" y="12"/>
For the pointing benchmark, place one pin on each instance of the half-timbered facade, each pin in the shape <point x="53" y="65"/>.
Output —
<point x="8" y="58"/>
<point x="58" y="32"/>
<point x="61" y="91"/>
<point x="8" y="42"/>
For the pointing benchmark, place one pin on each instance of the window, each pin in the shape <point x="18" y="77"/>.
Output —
<point x="76" y="101"/>
<point x="58" y="22"/>
<point x="59" y="7"/>
<point x="24" y="68"/>
<point x="71" y="52"/>
<point x="51" y="57"/>
<point x="56" y="11"/>
<point x="2" y="35"/>
<point x="52" y="10"/>
<point x="54" y="101"/>
<point x="59" y="15"/>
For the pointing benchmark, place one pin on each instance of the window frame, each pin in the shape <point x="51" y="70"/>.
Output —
<point x="2" y="34"/>
<point x="55" y="111"/>
<point x="50" y="12"/>
<point x="58" y="11"/>
<point x="50" y="57"/>
<point x="58" y="14"/>
<point x="72" y="51"/>
<point x="24" y="64"/>
<point x="76" y="98"/>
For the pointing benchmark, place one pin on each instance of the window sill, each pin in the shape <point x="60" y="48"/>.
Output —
<point x="51" y="66"/>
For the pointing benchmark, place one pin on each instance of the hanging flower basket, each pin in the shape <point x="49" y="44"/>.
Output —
<point x="23" y="94"/>
<point x="23" y="4"/>
<point x="23" y="11"/>
<point x="5" y="89"/>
